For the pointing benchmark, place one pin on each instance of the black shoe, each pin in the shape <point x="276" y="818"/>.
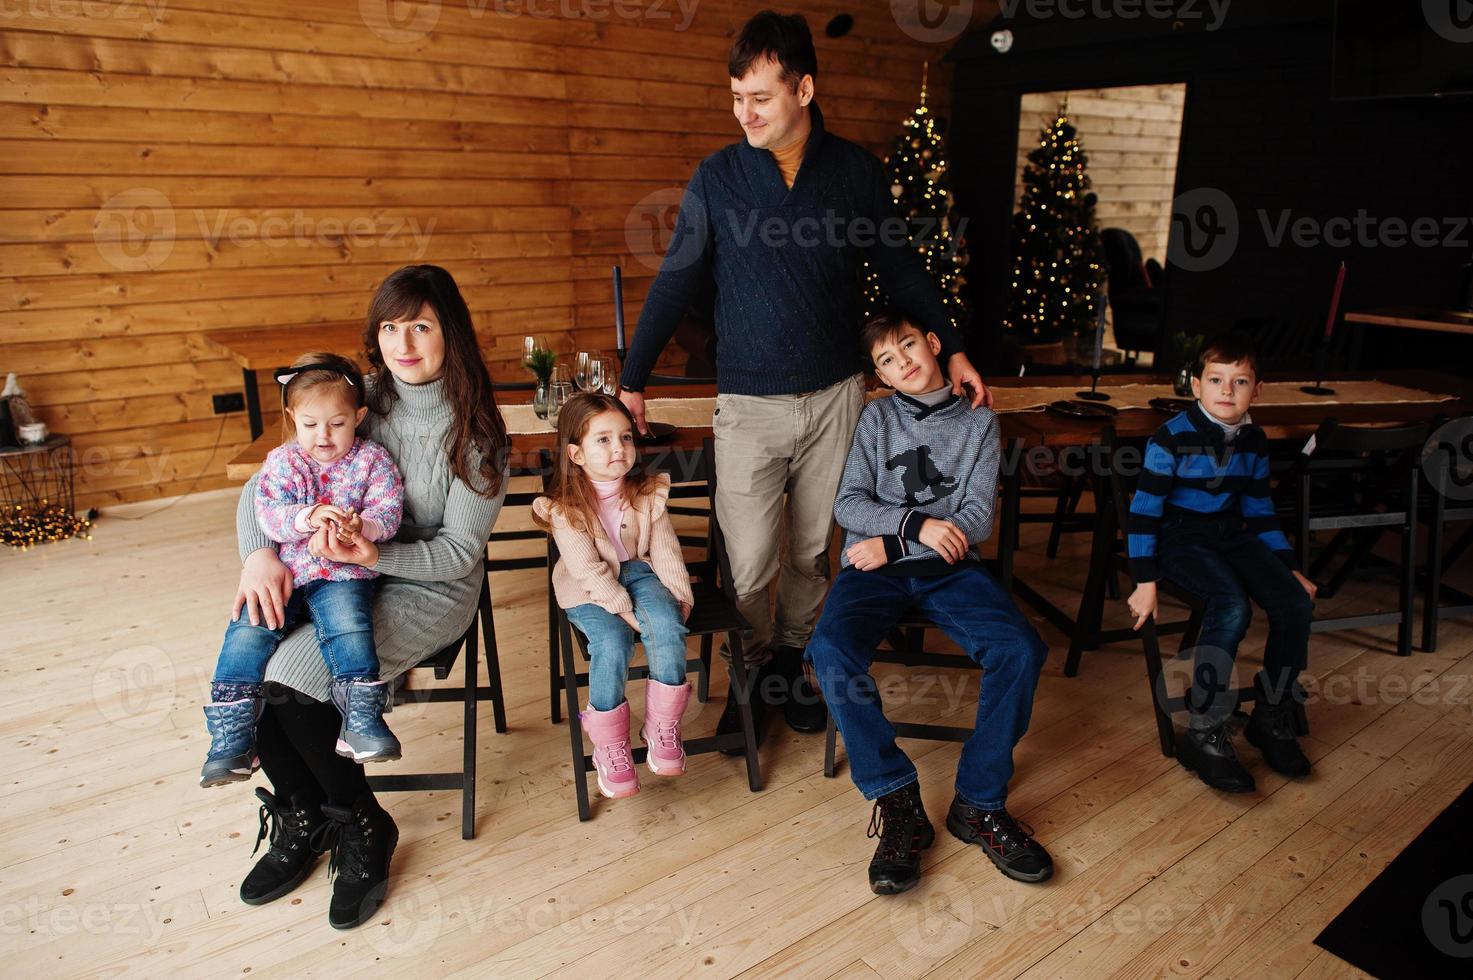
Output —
<point x="362" y="842"/>
<point x="899" y="821"/>
<point x="1209" y="753"/>
<point x="290" y="857"/>
<point x="731" y="717"/>
<point x="1271" y="728"/>
<point x="1008" y="844"/>
<point x="803" y="709"/>
<point x="775" y="679"/>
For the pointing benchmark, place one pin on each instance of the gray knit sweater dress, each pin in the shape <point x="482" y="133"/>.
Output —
<point x="431" y="570"/>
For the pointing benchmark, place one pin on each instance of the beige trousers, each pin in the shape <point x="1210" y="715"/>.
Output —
<point x="768" y="448"/>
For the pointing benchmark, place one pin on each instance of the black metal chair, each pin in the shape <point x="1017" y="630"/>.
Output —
<point x="1359" y="483"/>
<point x="680" y="492"/>
<point x="1449" y="470"/>
<point x="1112" y="485"/>
<point x="907" y="648"/>
<point x="471" y="695"/>
<point x="442" y="661"/>
<point x="714" y="613"/>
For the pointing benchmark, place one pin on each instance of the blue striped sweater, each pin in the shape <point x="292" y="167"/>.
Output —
<point x="1191" y="472"/>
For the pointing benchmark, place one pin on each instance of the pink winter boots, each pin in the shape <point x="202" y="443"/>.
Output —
<point x="663" y="706"/>
<point x="609" y="732"/>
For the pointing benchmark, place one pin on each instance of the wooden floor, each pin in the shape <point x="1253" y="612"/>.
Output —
<point x="115" y="863"/>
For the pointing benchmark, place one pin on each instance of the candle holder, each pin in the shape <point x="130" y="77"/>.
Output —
<point x="1318" y="389"/>
<point x="1092" y="395"/>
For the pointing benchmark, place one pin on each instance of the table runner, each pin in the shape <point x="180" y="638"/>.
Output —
<point x="695" y="413"/>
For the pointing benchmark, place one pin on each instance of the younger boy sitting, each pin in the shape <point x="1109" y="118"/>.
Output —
<point x="915" y="500"/>
<point x="1201" y="516"/>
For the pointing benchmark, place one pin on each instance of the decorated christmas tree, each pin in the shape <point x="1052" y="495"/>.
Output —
<point x="1058" y="270"/>
<point x="916" y="170"/>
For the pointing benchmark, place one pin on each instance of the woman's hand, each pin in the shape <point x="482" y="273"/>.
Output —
<point x="1307" y="584"/>
<point x="1142" y="603"/>
<point x="685" y="608"/>
<point x="327" y="543"/>
<point x="265" y="587"/>
<point x="631" y="622"/>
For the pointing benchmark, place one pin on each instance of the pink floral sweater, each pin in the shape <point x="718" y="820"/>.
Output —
<point x="292" y="483"/>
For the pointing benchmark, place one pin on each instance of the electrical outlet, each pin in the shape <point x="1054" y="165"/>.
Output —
<point x="231" y="401"/>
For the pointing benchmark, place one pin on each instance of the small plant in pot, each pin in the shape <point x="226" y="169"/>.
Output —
<point x="539" y="358"/>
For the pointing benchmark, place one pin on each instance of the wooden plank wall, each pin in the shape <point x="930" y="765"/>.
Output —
<point x="1131" y="135"/>
<point x="167" y="168"/>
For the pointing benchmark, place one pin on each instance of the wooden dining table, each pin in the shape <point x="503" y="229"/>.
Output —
<point x="1419" y="318"/>
<point x="1021" y="430"/>
<point x="257" y="349"/>
<point x="1416" y="318"/>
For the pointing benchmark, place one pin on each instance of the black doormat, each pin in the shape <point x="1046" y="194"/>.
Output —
<point x="1416" y="918"/>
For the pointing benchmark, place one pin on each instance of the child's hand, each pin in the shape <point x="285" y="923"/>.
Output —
<point x="1309" y="587"/>
<point x="868" y="554"/>
<point x="350" y="526"/>
<point x="945" y="538"/>
<point x="685" y="608"/>
<point x="321" y="514"/>
<point x="1142" y="603"/>
<point x="628" y="617"/>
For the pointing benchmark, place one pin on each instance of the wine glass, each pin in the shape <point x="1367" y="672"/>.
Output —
<point x="580" y="369"/>
<point x="611" y="380"/>
<point x="595" y="374"/>
<point x="558" y="396"/>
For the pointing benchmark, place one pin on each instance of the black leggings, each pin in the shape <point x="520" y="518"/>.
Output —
<point x="297" y="742"/>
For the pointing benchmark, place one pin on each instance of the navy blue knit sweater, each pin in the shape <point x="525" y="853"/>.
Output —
<point x="786" y="263"/>
<point x="1192" y="473"/>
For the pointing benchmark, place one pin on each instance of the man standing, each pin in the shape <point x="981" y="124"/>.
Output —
<point x="783" y="221"/>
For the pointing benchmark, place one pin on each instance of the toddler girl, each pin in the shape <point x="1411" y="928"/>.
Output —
<point x="325" y="481"/>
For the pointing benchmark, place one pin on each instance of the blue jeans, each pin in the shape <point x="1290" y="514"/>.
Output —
<point x="341" y="613"/>
<point x="971" y="608"/>
<point x="1224" y="564"/>
<point x="611" y="641"/>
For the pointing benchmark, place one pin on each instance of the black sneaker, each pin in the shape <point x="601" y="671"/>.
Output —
<point x="1209" y="753"/>
<point x="899" y="821"/>
<point x="1007" y="843"/>
<point x="1271" y="728"/>
<point x="362" y="841"/>
<point x="290" y="857"/>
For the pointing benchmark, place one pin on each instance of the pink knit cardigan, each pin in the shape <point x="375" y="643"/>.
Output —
<point x="588" y="569"/>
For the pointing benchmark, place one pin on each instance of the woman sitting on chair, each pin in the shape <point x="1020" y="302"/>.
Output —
<point x="431" y="405"/>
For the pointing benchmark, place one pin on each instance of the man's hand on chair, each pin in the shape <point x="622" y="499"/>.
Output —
<point x="634" y="401"/>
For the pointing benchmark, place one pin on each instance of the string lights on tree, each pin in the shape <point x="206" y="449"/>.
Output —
<point x="1058" y="270"/>
<point x="919" y="182"/>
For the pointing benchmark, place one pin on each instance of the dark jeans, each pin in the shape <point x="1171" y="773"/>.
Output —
<point x="979" y="616"/>
<point x="342" y="615"/>
<point x="1225" y="565"/>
